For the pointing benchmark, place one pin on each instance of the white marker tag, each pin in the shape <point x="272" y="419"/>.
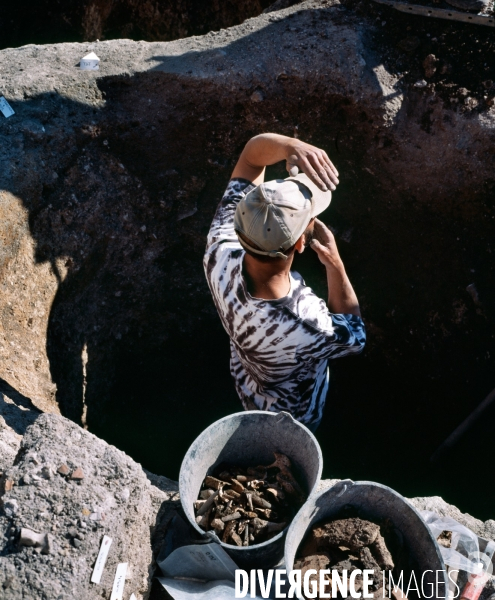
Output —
<point x="90" y="62"/>
<point x="101" y="559"/>
<point x="5" y="107"/>
<point x="119" y="582"/>
<point x="133" y="597"/>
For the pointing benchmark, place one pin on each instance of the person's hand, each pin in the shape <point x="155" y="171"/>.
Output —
<point x="314" y="162"/>
<point x="323" y="243"/>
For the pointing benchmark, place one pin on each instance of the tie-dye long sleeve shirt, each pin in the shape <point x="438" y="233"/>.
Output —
<point x="279" y="349"/>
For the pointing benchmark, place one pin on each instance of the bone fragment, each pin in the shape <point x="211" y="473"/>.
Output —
<point x="204" y="520"/>
<point x="261" y="501"/>
<point x="282" y="462"/>
<point x="241" y="526"/>
<point x="233" y="495"/>
<point x="276" y="493"/>
<point x="205" y="494"/>
<point x="256" y="484"/>
<point x="218" y="525"/>
<point x="237" y="486"/>
<point x="258" y="525"/>
<point x="208" y="503"/>
<point x="32" y="538"/>
<point x="249" y="497"/>
<point x="232" y="517"/>
<point x="248" y="514"/>
<point x="228" y="530"/>
<point x="198" y="504"/>
<point x="246" y="536"/>
<point x="213" y="482"/>
<point x="266" y="512"/>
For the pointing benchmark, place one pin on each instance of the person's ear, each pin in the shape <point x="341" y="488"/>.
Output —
<point x="300" y="244"/>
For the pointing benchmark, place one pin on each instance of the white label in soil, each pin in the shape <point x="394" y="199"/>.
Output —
<point x="5" y="107"/>
<point x="119" y="582"/>
<point x="102" y="559"/>
<point x="90" y="62"/>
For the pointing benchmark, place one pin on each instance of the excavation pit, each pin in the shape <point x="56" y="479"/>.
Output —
<point x="110" y="181"/>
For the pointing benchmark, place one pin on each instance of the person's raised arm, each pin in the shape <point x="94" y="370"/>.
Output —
<point x="341" y="296"/>
<point x="270" y="148"/>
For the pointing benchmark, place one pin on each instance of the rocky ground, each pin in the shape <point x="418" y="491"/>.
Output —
<point x="71" y="488"/>
<point x="109" y="181"/>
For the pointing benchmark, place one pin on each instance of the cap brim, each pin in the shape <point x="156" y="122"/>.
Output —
<point x="320" y="200"/>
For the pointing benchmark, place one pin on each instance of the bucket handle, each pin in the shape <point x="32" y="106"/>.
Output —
<point x="283" y="416"/>
<point x="345" y="483"/>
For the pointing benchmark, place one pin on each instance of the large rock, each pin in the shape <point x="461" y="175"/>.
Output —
<point x="103" y="493"/>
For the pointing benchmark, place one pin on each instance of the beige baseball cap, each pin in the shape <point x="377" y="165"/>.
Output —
<point x="275" y="214"/>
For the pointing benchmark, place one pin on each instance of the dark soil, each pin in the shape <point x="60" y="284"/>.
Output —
<point x="56" y="21"/>
<point x="463" y="54"/>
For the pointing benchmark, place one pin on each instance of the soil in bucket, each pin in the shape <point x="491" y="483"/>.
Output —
<point x="343" y="546"/>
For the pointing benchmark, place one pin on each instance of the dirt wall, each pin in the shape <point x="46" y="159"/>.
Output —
<point x="48" y="22"/>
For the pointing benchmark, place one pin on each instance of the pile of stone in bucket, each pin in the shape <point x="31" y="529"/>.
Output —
<point x="344" y="545"/>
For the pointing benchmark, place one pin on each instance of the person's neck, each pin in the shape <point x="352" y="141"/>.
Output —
<point x="269" y="281"/>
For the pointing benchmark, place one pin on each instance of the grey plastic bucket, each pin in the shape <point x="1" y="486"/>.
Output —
<point x="250" y="438"/>
<point x="412" y="545"/>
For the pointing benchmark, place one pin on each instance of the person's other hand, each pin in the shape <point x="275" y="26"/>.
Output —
<point x="314" y="162"/>
<point x="323" y="243"/>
